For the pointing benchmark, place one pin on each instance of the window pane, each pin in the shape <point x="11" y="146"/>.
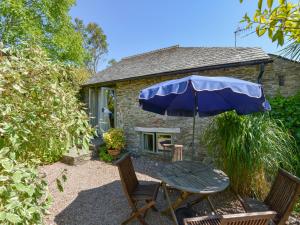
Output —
<point x="148" y="142"/>
<point x="163" y="139"/>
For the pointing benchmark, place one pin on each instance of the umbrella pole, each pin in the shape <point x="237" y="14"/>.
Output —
<point x="194" y="120"/>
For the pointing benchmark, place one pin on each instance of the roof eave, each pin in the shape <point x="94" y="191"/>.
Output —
<point x="190" y="70"/>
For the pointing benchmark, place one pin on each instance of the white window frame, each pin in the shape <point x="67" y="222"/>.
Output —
<point x="156" y="140"/>
<point x="155" y="150"/>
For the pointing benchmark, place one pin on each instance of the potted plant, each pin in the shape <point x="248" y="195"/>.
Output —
<point x="114" y="140"/>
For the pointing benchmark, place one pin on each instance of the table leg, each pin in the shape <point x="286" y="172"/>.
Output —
<point x="211" y="205"/>
<point x="200" y="199"/>
<point x="169" y="203"/>
<point x="183" y="196"/>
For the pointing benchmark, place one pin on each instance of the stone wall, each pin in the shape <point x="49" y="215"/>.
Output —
<point x="286" y="71"/>
<point x="130" y="115"/>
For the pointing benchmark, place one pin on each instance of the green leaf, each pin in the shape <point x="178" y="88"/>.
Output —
<point x="59" y="185"/>
<point x="17" y="176"/>
<point x="2" y="216"/>
<point x="270" y="33"/>
<point x="3" y="178"/>
<point x="21" y="187"/>
<point x="269" y="3"/>
<point x="281" y="2"/>
<point x="262" y="31"/>
<point x="64" y="177"/>
<point x="280" y="38"/>
<point x="259" y="4"/>
<point x="7" y="165"/>
<point x="14" y="218"/>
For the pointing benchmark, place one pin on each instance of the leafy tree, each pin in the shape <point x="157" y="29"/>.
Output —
<point x="40" y="116"/>
<point x="111" y="62"/>
<point x="280" y="21"/>
<point x="94" y="42"/>
<point x="43" y="22"/>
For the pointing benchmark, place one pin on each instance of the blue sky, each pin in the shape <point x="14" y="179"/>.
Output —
<point x="136" y="26"/>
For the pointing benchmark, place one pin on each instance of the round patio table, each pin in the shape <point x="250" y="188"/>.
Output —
<point x="190" y="177"/>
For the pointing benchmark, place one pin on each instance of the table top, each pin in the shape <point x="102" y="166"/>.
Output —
<point x="194" y="177"/>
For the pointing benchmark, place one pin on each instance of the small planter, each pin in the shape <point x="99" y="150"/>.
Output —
<point x="114" y="152"/>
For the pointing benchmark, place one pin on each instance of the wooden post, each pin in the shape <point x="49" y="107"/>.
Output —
<point x="178" y="153"/>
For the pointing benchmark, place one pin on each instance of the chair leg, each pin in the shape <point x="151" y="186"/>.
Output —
<point x="153" y="207"/>
<point x="138" y="214"/>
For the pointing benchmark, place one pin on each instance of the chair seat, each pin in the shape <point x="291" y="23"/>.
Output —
<point x="215" y="221"/>
<point x="254" y="205"/>
<point x="146" y="191"/>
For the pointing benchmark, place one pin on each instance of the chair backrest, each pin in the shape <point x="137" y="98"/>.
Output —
<point x="283" y="195"/>
<point x="259" y="218"/>
<point x="127" y="175"/>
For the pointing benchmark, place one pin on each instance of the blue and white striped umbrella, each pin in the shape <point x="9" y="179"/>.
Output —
<point x="203" y="96"/>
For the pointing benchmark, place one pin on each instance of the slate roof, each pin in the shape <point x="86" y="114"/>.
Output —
<point x="178" y="59"/>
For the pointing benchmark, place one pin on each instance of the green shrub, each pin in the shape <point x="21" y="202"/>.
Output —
<point x="24" y="195"/>
<point x="103" y="154"/>
<point x="287" y="111"/>
<point x="40" y="116"/>
<point x="114" y="138"/>
<point x="249" y="149"/>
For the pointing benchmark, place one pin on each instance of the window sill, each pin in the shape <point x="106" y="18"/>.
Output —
<point x="158" y="130"/>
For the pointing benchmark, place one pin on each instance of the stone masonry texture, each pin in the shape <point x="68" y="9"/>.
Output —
<point x="129" y="115"/>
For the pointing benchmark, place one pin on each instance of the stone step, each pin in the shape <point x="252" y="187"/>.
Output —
<point x="76" y="157"/>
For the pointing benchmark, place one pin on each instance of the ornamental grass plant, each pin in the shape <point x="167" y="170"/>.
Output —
<point x="250" y="149"/>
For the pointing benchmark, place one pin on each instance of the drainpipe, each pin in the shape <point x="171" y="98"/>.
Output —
<point x="261" y="72"/>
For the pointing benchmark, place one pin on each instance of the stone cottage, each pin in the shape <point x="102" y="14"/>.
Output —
<point x="112" y="94"/>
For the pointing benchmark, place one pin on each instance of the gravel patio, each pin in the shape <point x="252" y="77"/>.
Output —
<point x="93" y="195"/>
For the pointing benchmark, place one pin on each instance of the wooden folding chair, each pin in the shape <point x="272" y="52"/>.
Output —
<point x="135" y="191"/>
<point x="259" y="218"/>
<point x="282" y="197"/>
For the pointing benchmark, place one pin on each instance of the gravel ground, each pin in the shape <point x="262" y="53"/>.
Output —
<point x="93" y="195"/>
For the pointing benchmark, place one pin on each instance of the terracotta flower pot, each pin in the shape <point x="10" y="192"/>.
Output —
<point x="114" y="152"/>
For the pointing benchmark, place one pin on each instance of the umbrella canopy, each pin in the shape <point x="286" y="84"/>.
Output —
<point x="205" y="96"/>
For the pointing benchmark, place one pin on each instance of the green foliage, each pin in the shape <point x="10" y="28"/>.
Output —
<point x="287" y="111"/>
<point x="114" y="138"/>
<point x="249" y="149"/>
<point x="104" y="156"/>
<point x="94" y="41"/>
<point x="24" y="195"/>
<point x="279" y="21"/>
<point x="43" y="22"/>
<point x="111" y="62"/>
<point x="40" y="116"/>
<point x="297" y="207"/>
<point x="61" y="179"/>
